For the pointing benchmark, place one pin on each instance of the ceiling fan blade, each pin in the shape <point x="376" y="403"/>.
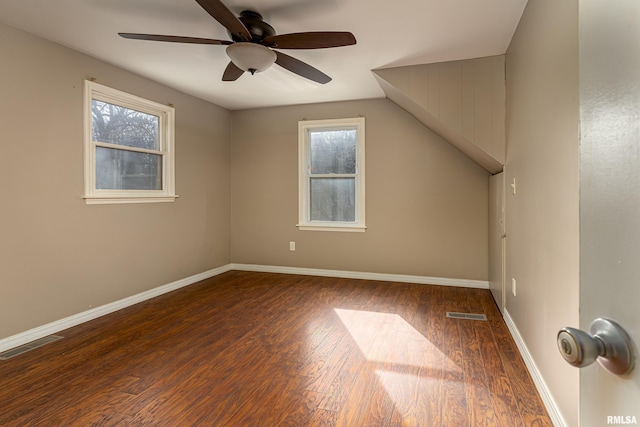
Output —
<point x="311" y="40"/>
<point x="173" y="39"/>
<point x="226" y="17"/>
<point x="301" y="68"/>
<point x="231" y="73"/>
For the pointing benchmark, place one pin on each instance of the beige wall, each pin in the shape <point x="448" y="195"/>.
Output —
<point x="60" y="256"/>
<point x="542" y="217"/>
<point x="427" y="203"/>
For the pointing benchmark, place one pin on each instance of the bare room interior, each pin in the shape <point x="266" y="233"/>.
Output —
<point x="421" y="279"/>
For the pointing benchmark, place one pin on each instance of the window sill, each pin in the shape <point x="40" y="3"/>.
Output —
<point x="111" y="200"/>
<point x="343" y="228"/>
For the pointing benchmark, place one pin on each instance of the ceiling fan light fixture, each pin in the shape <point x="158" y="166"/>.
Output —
<point x="251" y="57"/>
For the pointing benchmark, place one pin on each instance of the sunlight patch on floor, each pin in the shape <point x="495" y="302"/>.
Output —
<point x="386" y="337"/>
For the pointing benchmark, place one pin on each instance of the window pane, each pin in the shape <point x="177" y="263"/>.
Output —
<point x="123" y="126"/>
<point x="127" y="170"/>
<point x="333" y="151"/>
<point x="333" y="199"/>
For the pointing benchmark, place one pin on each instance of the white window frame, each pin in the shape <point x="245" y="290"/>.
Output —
<point x="166" y="114"/>
<point x="304" y="175"/>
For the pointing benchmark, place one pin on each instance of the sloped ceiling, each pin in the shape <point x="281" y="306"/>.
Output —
<point x="402" y="32"/>
<point x="462" y="101"/>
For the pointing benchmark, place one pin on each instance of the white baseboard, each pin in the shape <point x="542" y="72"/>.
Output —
<point x="541" y="385"/>
<point x="404" y="278"/>
<point x="76" y="319"/>
<point x="68" y="322"/>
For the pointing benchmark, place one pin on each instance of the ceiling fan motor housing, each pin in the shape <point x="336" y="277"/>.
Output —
<point x="255" y="25"/>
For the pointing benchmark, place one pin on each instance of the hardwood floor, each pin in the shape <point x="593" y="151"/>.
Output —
<point x="260" y="349"/>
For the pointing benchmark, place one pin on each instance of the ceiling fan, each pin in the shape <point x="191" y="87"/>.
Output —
<point x="253" y="40"/>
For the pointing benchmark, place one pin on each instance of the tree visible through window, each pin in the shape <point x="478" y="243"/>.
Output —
<point x="121" y="169"/>
<point x="128" y="147"/>
<point x="332" y="174"/>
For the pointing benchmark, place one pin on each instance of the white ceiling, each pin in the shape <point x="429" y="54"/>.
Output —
<point x="389" y="33"/>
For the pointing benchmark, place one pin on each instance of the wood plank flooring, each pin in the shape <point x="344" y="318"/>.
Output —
<point x="261" y="349"/>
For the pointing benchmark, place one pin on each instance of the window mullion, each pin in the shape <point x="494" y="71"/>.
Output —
<point x="127" y="148"/>
<point x="333" y="175"/>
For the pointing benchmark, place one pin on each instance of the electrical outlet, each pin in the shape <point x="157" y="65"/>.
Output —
<point x="292" y="246"/>
<point x="513" y="286"/>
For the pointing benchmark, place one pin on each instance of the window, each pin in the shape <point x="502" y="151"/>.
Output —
<point x="331" y="175"/>
<point x="129" y="156"/>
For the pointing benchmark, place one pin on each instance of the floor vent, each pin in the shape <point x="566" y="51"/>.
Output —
<point x="29" y="346"/>
<point x="466" y="316"/>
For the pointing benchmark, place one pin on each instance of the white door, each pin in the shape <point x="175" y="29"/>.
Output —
<point x="610" y="197"/>
<point x="496" y="238"/>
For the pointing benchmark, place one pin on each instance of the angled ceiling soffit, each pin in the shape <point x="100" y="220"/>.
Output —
<point x="462" y="101"/>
